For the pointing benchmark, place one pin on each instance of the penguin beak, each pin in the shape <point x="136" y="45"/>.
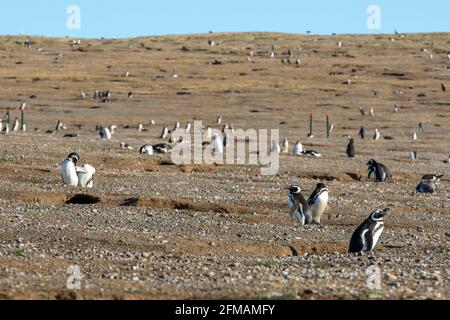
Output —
<point x="385" y="211"/>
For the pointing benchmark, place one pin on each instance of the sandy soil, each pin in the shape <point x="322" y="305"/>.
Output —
<point x="162" y="231"/>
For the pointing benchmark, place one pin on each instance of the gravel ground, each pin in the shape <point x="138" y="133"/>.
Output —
<point x="164" y="231"/>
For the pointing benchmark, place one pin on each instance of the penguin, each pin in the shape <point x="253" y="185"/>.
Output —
<point x="176" y="126"/>
<point x="275" y="147"/>
<point x="361" y="110"/>
<point x="318" y="202"/>
<point x="174" y="74"/>
<point x="298" y="148"/>
<point x="68" y="170"/>
<point x="124" y="145"/>
<point x="112" y="129"/>
<point x="146" y="149"/>
<point x="298" y="205"/>
<point x="427" y="186"/>
<point x="380" y="171"/>
<point x="311" y="153"/>
<point x="217" y="144"/>
<point x="60" y="126"/>
<point x="105" y="134"/>
<point x="85" y="176"/>
<point x="339" y="44"/>
<point x="140" y="127"/>
<point x="420" y="126"/>
<point x="376" y="135"/>
<point x="162" y="148"/>
<point x="443" y="87"/>
<point x="413" y="155"/>
<point x="371" y="112"/>
<point x="362" y="133"/>
<point x="82" y="94"/>
<point x="366" y="236"/>
<point x="434" y="177"/>
<point x="71" y="135"/>
<point x="164" y="133"/>
<point x="188" y="127"/>
<point x="395" y="109"/>
<point x="15" y="125"/>
<point x="447" y="161"/>
<point x="285" y="145"/>
<point x="351" y="149"/>
<point x="414" y="136"/>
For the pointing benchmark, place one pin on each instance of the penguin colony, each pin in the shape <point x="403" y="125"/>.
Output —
<point x="306" y="211"/>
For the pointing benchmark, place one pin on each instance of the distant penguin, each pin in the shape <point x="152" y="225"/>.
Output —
<point x="427" y="186"/>
<point x="318" y="202"/>
<point x="420" y="126"/>
<point x="82" y="95"/>
<point x="146" y="149"/>
<point x="447" y="161"/>
<point x="164" y="133"/>
<point x="85" y="176"/>
<point x="124" y="145"/>
<point x="361" y="110"/>
<point x="395" y="109"/>
<point x="412" y="155"/>
<point x="176" y="126"/>
<point x="414" y="136"/>
<point x="217" y="144"/>
<point x="298" y="205"/>
<point x="285" y="145"/>
<point x="112" y="129"/>
<point x="362" y="133"/>
<point x="443" y="87"/>
<point x="152" y="122"/>
<point x="434" y="177"/>
<point x="15" y="125"/>
<point x="188" y="127"/>
<point x="311" y="153"/>
<point x="68" y="170"/>
<point x="298" y="148"/>
<point x="371" y="112"/>
<point x="105" y="134"/>
<point x="60" y="126"/>
<point x="366" y="236"/>
<point x="376" y="134"/>
<point x="275" y="147"/>
<point x="350" y="149"/>
<point x="162" y="148"/>
<point x="219" y="120"/>
<point x="140" y="127"/>
<point x="380" y="171"/>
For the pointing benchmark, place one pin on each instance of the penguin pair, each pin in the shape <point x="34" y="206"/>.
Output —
<point x="379" y="171"/>
<point x="308" y="211"/>
<point x="149" y="149"/>
<point x="73" y="176"/>
<point x="429" y="183"/>
<point x="366" y="236"/>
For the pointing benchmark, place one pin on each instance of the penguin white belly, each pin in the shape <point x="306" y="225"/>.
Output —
<point x="320" y="206"/>
<point x="376" y="236"/>
<point x="291" y="201"/>
<point x="363" y="240"/>
<point x="85" y="176"/>
<point x="299" y="216"/>
<point x="69" y="173"/>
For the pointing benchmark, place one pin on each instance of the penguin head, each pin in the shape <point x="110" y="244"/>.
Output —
<point x="320" y="186"/>
<point x="295" y="188"/>
<point x="74" y="157"/>
<point x="371" y="162"/>
<point x="378" y="215"/>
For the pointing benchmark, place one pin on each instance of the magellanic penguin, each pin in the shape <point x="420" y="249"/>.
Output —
<point x="217" y="144"/>
<point x="146" y="149"/>
<point x="429" y="183"/>
<point x="376" y="134"/>
<point x="350" y="149"/>
<point x="164" y="133"/>
<point x="362" y="133"/>
<point x="380" y="171"/>
<point x="162" y="148"/>
<point x="15" y="125"/>
<point x="298" y="148"/>
<point x="366" y="236"/>
<point x="447" y="161"/>
<point x="311" y="153"/>
<point x="105" y="134"/>
<point x="318" y="202"/>
<point x="298" y="205"/>
<point x="285" y="145"/>
<point x="68" y="170"/>
<point x="85" y="176"/>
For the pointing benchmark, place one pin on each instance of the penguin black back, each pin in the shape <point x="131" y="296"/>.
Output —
<point x="351" y="149"/>
<point x="366" y="236"/>
<point x="380" y="171"/>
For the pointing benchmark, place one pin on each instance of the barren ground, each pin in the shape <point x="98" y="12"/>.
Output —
<point x="162" y="231"/>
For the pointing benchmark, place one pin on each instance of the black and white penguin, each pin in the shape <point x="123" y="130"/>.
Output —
<point x="298" y="205"/>
<point x="376" y="134"/>
<point x="68" y="170"/>
<point x="104" y="133"/>
<point x="124" y="145"/>
<point x="164" y="133"/>
<point x="162" y="148"/>
<point x="318" y="202"/>
<point x="366" y="236"/>
<point x="311" y="153"/>
<point x="380" y="171"/>
<point x="361" y="110"/>
<point x="85" y="176"/>
<point x="146" y="149"/>
<point x="298" y="148"/>
<point x="350" y="149"/>
<point x="433" y="176"/>
<point x="443" y="87"/>
<point x="427" y="186"/>
<point x="447" y="161"/>
<point x="362" y="133"/>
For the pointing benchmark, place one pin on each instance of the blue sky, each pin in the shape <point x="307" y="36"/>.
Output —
<point x="132" y="18"/>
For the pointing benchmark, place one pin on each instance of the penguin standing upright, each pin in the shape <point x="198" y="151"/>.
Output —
<point x="380" y="171"/>
<point x="376" y="134"/>
<point x="217" y="144"/>
<point x="298" y="205"/>
<point x="15" y="125"/>
<point x="275" y="147"/>
<point x="68" y="170"/>
<point x="85" y="176"/>
<point x="298" y="148"/>
<point x="362" y="133"/>
<point x="285" y="145"/>
<point x="366" y="236"/>
<point x="351" y="149"/>
<point x="105" y="134"/>
<point x="318" y="202"/>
